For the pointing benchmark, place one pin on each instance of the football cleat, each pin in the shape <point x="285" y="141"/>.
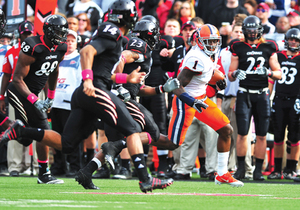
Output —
<point x="228" y="179"/>
<point x="47" y="178"/>
<point x="110" y="151"/>
<point x="123" y="174"/>
<point x="155" y="183"/>
<point x="12" y="133"/>
<point x="85" y="180"/>
<point x="275" y="175"/>
<point x="239" y="174"/>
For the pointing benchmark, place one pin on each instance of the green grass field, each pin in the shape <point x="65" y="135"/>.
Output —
<point x="25" y="193"/>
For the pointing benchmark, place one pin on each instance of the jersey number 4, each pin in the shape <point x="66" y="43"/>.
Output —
<point x="111" y="30"/>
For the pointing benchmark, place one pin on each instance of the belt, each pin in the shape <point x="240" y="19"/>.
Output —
<point x="229" y="96"/>
<point x="260" y="91"/>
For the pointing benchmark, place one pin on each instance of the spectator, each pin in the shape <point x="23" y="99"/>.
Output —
<point x="226" y="12"/>
<point x="186" y="12"/>
<point x="253" y="95"/>
<point x="149" y="7"/>
<point x="262" y="13"/>
<point x="84" y="25"/>
<point x="204" y="8"/>
<point x="223" y="15"/>
<point x="73" y="25"/>
<point x="172" y="27"/>
<point x="15" y="151"/>
<point x="294" y="18"/>
<point x="251" y="6"/>
<point x="174" y="11"/>
<point x="93" y="11"/>
<point x="163" y="11"/>
<point x="69" y="79"/>
<point x="278" y="8"/>
<point x="282" y="26"/>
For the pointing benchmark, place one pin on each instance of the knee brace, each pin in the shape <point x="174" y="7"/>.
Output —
<point x="288" y="147"/>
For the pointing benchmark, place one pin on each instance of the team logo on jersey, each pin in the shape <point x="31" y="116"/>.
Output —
<point x="254" y="53"/>
<point x="72" y="62"/>
<point x="51" y="57"/>
<point x="288" y="63"/>
<point x="1" y="50"/>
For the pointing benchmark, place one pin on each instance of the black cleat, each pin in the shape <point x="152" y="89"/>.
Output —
<point x="258" y="176"/>
<point x="85" y="180"/>
<point x="155" y="183"/>
<point x="47" y="178"/>
<point x="12" y="133"/>
<point x="123" y="174"/>
<point x="275" y="175"/>
<point x="110" y="151"/>
<point x="102" y="173"/>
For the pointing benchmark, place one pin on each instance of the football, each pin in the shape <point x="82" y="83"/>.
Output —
<point x="217" y="75"/>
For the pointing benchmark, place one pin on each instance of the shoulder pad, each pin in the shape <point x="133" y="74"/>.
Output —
<point x="272" y="44"/>
<point x="29" y="47"/>
<point x="137" y="45"/>
<point x="109" y="30"/>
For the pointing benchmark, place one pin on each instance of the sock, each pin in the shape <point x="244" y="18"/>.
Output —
<point x="278" y="164"/>
<point x="163" y="164"/>
<point x="92" y="166"/>
<point x="288" y="165"/>
<point x="258" y="164"/>
<point x="252" y="160"/>
<point x="202" y="162"/>
<point x="294" y="165"/>
<point x="140" y="167"/>
<point x="90" y="153"/>
<point x="43" y="167"/>
<point x="126" y="164"/>
<point x="33" y="133"/>
<point x="241" y="162"/>
<point x="222" y="163"/>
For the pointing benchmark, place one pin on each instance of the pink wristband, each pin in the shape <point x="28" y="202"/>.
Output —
<point x="123" y="58"/>
<point x="121" y="78"/>
<point x="42" y="161"/>
<point x="87" y="74"/>
<point x="32" y="98"/>
<point x="51" y="94"/>
<point x="149" y="138"/>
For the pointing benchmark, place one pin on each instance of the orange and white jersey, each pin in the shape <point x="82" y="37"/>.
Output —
<point x="196" y="60"/>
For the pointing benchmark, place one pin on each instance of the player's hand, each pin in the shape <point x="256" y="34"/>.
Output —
<point x="171" y="84"/>
<point x="240" y="74"/>
<point x="164" y="52"/>
<point x="297" y="106"/>
<point x="88" y="87"/>
<point x="48" y="104"/>
<point x="39" y="104"/>
<point x="136" y="77"/>
<point x="221" y="84"/>
<point x="2" y="106"/>
<point x="124" y="94"/>
<point x="199" y="105"/>
<point x="262" y="71"/>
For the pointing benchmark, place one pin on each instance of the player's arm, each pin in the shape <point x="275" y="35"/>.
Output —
<point x="87" y="54"/>
<point x="7" y="70"/>
<point x="128" y="56"/>
<point x="275" y="67"/>
<point x="233" y="67"/>
<point x="169" y="86"/>
<point x="21" y="71"/>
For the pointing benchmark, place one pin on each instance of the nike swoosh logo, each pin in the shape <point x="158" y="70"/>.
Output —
<point x="225" y="180"/>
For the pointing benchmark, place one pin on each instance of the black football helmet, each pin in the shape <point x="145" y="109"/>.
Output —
<point x="147" y="31"/>
<point x="293" y="33"/>
<point x="252" y="28"/>
<point x="56" y="29"/>
<point x="123" y="12"/>
<point x="2" y="23"/>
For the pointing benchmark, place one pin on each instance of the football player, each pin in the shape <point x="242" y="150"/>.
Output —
<point x="250" y="63"/>
<point x="285" y="108"/>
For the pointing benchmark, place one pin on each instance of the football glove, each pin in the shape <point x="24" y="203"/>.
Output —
<point x="199" y="105"/>
<point x="221" y="84"/>
<point x="171" y="84"/>
<point x="48" y="104"/>
<point x="124" y="94"/>
<point x="263" y="71"/>
<point x="240" y="74"/>
<point x="39" y="104"/>
<point x="297" y="106"/>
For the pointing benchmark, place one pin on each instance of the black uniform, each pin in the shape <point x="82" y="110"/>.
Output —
<point x="86" y="110"/>
<point x="137" y="111"/>
<point x="46" y="61"/>
<point x="253" y="95"/>
<point x="287" y="89"/>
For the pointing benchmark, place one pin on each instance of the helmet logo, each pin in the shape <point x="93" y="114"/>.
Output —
<point x="251" y="24"/>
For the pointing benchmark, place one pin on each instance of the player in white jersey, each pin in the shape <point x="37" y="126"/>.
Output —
<point x="191" y="101"/>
